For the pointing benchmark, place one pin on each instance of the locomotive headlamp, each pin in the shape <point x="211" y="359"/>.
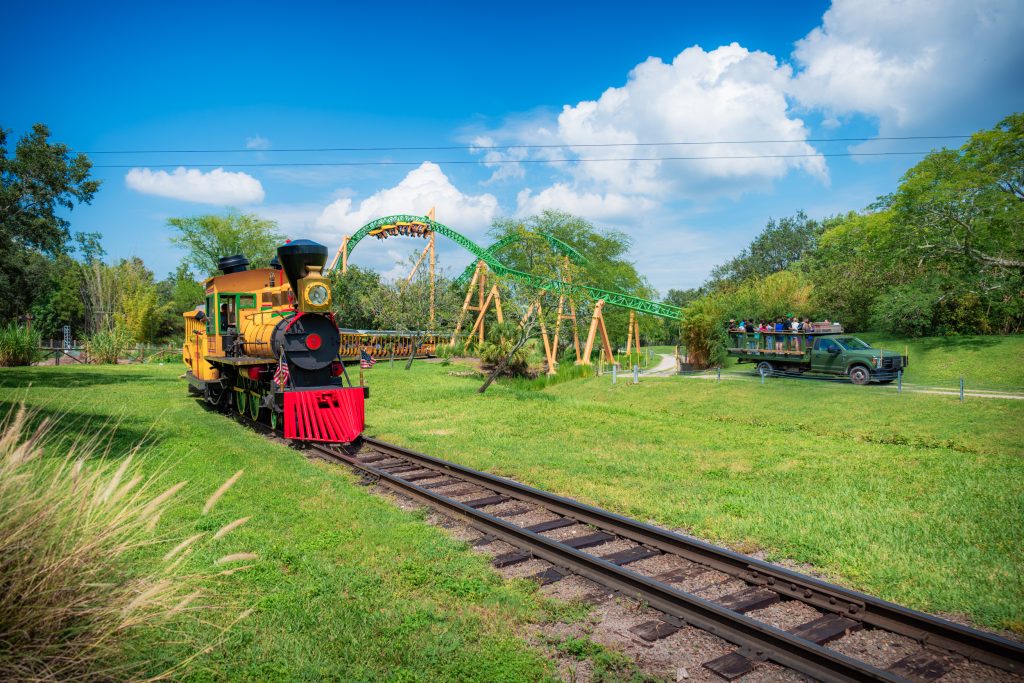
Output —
<point x="317" y="294"/>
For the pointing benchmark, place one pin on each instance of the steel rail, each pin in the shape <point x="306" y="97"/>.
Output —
<point x="757" y="640"/>
<point x="924" y="628"/>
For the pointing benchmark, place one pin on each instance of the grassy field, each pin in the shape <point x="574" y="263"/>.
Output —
<point x="347" y="586"/>
<point x="915" y="498"/>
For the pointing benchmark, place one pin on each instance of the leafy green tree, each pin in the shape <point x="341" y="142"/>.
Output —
<point x="352" y="294"/>
<point x="780" y="245"/>
<point x="39" y="180"/>
<point x="208" y="238"/>
<point x="178" y="293"/>
<point x="606" y="265"/>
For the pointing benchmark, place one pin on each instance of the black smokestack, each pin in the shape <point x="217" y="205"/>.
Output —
<point x="297" y="256"/>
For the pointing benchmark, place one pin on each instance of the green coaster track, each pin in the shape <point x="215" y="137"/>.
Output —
<point x="489" y="256"/>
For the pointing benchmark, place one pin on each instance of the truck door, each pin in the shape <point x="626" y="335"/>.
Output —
<point x="827" y="356"/>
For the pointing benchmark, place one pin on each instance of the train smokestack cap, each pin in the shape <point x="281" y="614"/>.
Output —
<point x="297" y="256"/>
<point x="233" y="264"/>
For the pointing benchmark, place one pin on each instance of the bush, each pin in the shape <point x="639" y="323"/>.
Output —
<point x="70" y="606"/>
<point x="703" y="332"/>
<point x="18" y="345"/>
<point x="501" y="339"/>
<point x="109" y="346"/>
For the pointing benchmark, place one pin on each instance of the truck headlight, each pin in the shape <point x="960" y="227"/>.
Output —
<point x="317" y="294"/>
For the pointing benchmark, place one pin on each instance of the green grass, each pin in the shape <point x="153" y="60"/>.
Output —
<point x="984" y="362"/>
<point x="347" y="587"/>
<point x="914" y="498"/>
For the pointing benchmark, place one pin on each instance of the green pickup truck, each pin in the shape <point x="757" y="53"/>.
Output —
<point x="828" y="353"/>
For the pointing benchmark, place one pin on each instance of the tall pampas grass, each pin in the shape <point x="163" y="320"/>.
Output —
<point x="68" y="598"/>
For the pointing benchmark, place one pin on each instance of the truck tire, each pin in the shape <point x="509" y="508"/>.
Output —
<point x="765" y="368"/>
<point x="860" y="374"/>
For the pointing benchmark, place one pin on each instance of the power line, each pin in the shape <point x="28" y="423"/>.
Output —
<point x="514" y="161"/>
<point x="472" y="148"/>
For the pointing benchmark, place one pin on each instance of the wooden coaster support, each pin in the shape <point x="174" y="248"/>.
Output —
<point x="481" y="268"/>
<point x="493" y="296"/>
<point x="633" y="332"/>
<point x="549" y="349"/>
<point x="597" y="322"/>
<point x="571" y="315"/>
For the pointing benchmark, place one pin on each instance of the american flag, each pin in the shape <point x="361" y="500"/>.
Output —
<point x="281" y="376"/>
<point x="366" y="361"/>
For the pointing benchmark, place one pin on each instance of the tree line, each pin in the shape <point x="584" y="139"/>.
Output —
<point x="942" y="254"/>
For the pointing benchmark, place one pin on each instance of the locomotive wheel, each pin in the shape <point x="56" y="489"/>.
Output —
<point x="273" y="419"/>
<point x="765" y="368"/>
<point x="254" y="405"/>
<point x="240" y="401"/>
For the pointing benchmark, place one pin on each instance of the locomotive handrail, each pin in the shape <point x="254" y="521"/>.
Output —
<point x="547" y="284"/>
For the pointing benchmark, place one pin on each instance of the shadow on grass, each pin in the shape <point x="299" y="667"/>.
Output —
<point x="70" y="426"/>
<point x="72" y="377"/>
<point x="953" y="343"/>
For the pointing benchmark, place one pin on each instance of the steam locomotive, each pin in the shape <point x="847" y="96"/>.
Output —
<point x="266" y="345"/>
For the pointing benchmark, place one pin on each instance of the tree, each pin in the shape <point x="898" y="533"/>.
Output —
<point x="39" y="180"/>
<point x="605" y="265"/>
<point x="179" y="292"/>
<point x="352" y="294"/>
<point x="208" y="238"/>
<point x="780" y="245"/>
<point x="405" y="306"/>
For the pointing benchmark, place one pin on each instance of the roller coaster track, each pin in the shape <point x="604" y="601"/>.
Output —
<point x="547" y="284"/>
<point x="556" y="244"/>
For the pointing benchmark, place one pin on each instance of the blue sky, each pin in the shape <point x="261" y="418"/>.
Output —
<point x="270" y="77"/>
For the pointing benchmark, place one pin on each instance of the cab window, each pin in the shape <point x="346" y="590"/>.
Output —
<point x="226" y="311"/>
<point x="827" y="345"/>
<point x="246" y="301"/>
<point x="211" y="314"/>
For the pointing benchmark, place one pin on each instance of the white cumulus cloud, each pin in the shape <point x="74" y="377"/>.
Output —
<point x="593" y="206"/>
<point x="727" y="94"/>
<point x="192" y="185"/>
<point x="422" y="188"/>
<point x="917" y="66"/>
<point x="257" y="142"/>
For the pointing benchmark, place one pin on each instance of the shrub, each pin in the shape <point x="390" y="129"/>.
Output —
<point x="107" y="346"/>
<point x="703" y="332"/>
<point x="18" y="345"/>
<point x="501" y="339"/>
<point x="70" y="603"/>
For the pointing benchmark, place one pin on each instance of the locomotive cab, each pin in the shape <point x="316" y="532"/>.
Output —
<point x="266" y="344"/>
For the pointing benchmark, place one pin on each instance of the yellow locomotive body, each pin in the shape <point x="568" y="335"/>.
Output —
<point x="265" y="344"/>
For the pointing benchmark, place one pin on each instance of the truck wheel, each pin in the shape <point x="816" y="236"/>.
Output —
<point x="860" y="374"/>
<point x="764" y="368"/>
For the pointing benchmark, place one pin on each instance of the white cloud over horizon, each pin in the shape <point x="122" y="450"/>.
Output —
<point x="192" y="185"/>
<point x="916" y="67"/>
<point x="424" y="187"/>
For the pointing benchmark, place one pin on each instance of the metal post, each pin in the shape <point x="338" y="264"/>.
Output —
<point x="615" y="375"/>
<point x="636" y="374"/>
<point x="899" y="381"/>
<point x="719" y="374"/>
<point x="762" y="375"/>
<point x="961" y="388"/>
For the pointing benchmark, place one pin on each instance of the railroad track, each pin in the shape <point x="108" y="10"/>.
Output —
<point x="571" y="536"/>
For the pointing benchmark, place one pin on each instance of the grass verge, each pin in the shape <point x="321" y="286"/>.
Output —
<point x="345" y="587"/>
<point x="914" y="498"/>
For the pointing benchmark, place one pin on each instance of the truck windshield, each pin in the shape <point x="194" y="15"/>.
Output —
<point x="852" y="343"/>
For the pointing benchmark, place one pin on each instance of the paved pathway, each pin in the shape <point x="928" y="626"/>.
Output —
<point x="666" y="368"/>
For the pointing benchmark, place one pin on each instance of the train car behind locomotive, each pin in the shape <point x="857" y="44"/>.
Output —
<point x="266" y="344"/>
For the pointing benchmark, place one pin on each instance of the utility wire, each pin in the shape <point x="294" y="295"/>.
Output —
<point x="514" y="161"/>
<point x="472" y="148"/>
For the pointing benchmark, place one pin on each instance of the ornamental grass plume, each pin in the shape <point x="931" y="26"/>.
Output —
<point x="70" y="601"/>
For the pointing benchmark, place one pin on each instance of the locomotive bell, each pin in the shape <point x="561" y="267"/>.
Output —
<point x="302" y="262"/>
